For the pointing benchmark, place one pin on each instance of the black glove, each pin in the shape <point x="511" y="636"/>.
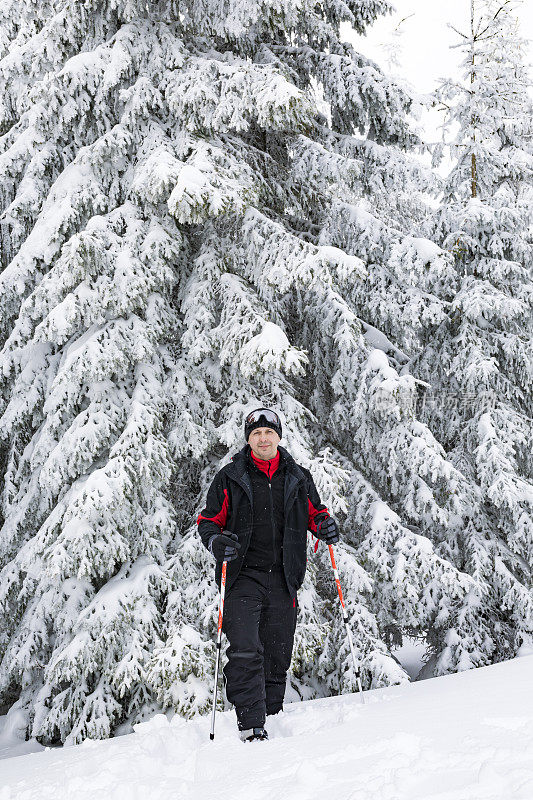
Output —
<point x="224" y="546"/>
<point x="326" y="529"/>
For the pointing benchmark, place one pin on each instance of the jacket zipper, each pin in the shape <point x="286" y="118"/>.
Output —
<point x="272" y="521"/>
<point x="272" y="518"/>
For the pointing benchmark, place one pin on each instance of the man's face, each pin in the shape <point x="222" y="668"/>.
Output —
<point x="264" y="442"/>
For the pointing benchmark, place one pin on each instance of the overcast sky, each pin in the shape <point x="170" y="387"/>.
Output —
<point x="426" y="55"/>
<point x="426" y="37"/>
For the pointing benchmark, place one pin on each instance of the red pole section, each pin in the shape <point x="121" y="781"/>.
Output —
<point x="345" y="618"/>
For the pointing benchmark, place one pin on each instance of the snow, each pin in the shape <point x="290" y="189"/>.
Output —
<point x="377" y="339"/>
<point x="270" y="349"/>
<point x="467" y="736"/>
<point x="426" y="250"/>
<point x="377" y="360"/>
<point x="271" y="340"/>
<point x="12" y="743"/>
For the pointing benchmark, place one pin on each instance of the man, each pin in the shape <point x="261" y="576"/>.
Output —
<point x="259" y="508"/>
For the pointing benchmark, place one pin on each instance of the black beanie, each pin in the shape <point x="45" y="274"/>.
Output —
<point x="261" y="421"/>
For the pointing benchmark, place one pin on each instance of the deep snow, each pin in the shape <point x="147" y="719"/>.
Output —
<point x="462" y="737"/>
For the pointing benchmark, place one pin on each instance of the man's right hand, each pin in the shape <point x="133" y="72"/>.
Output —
<point x="224" y="546"/>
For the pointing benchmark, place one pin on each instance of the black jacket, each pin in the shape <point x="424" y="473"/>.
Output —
<point x="230" y="504"/>
<point x="268" y="492"/>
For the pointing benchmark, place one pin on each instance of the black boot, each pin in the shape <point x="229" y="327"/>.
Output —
<point x="251" y="734"/>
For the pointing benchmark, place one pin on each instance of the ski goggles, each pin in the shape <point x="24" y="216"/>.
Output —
<point x="269" y="416"/>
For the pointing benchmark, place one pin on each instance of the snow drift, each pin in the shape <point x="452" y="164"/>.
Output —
<point x="467" y="736"/>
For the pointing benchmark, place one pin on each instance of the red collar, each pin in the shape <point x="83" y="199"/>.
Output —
<point x="268" y="466"/>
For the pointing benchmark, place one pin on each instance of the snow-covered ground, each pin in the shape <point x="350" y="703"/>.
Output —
<point x="463" y="737"/>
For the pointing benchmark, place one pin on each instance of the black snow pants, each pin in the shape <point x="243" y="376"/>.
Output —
<point x="259" y="621"/>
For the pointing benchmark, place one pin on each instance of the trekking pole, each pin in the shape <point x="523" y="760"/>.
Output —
<point x="219" y="640"/>
<point x="345" y="618"/>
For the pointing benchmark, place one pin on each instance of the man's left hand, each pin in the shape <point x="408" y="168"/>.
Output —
<point x="327" y="530"/>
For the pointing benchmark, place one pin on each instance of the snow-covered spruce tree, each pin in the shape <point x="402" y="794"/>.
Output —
<point x="479" y="361"/>
<point x="177" y="255"/>
<point x="267" y="282"/>
<point x="86" y="304"/>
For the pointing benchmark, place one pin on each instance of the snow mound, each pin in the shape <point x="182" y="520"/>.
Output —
<point x="462" y="737"/>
